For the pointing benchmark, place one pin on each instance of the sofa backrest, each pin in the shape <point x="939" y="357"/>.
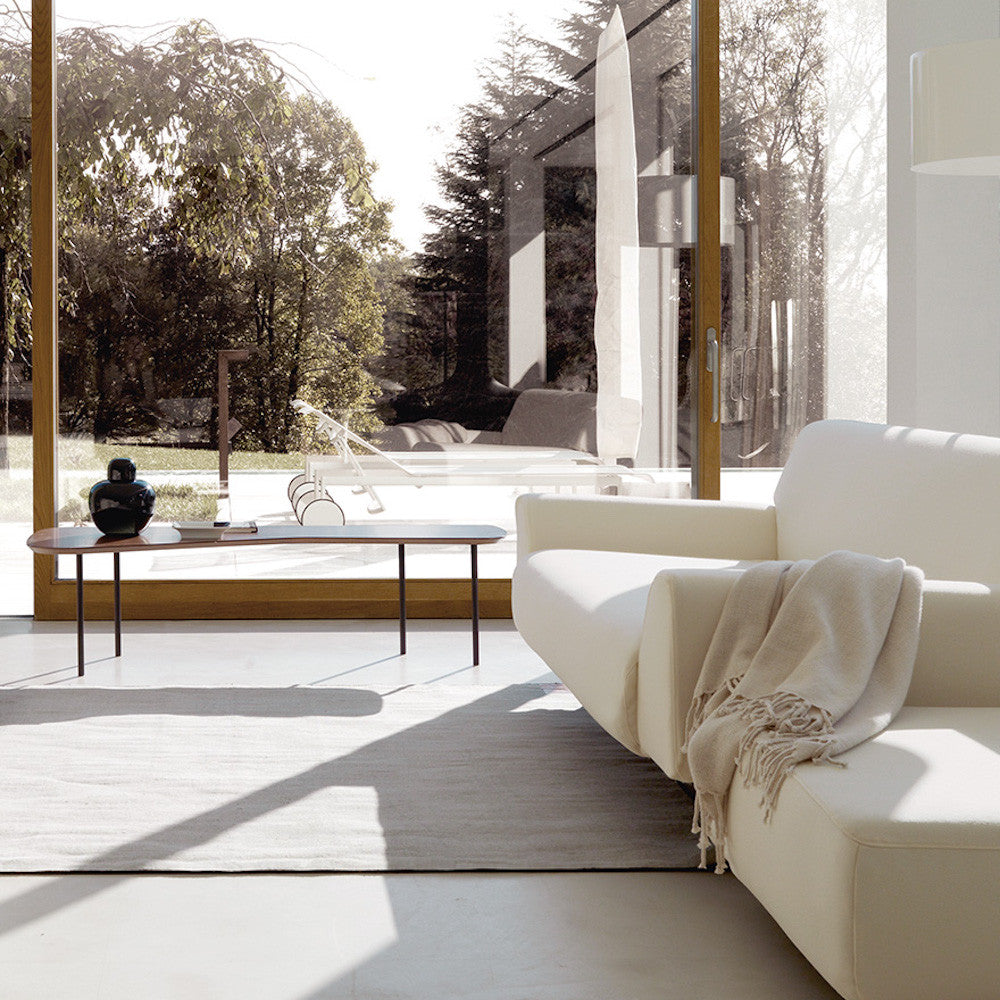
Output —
<point x="553" y="418"/>
<point x="931" y="497"/>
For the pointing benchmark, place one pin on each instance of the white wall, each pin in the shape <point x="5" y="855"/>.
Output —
<point x="855" y="188"/>
<point x="943" y="249"/>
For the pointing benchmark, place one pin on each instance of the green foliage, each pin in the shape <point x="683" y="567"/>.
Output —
<point x="15" y="260"/>
<point x="456" y="350"/>
<point x="151" y="460"/>
<point x="205" y="203"/>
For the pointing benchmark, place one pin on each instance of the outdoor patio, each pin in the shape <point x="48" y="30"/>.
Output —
<point x="262" y="496"/>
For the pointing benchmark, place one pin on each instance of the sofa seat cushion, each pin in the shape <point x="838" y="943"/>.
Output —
<point x="582" y="612"/>
<point x="886" y="873"/>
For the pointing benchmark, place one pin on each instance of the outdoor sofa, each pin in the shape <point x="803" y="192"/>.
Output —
<point x="884" y="873"/>
<point x="543" y="419"/>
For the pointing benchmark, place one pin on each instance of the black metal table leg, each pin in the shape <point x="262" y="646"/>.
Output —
<point x="475" y="604"/>
<point x="402" y="600"/>
<point x="79" y="616"/>
<point x="118" y="606"/>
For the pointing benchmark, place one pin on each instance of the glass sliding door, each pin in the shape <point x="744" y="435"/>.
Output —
<point x="803" y="161"/>
<point x="407" y="238"/>
<point x="551" y="158"/>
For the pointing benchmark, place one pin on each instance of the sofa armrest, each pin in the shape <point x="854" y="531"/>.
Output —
<point x="682" y="611"/>
<point x="699" y="528"/>
<point x="958" y="656"/>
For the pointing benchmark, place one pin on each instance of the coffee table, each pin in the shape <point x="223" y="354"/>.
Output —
<point x="86" y="541"/>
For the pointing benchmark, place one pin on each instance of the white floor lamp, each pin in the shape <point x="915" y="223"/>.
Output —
<point x="955" y="109"/>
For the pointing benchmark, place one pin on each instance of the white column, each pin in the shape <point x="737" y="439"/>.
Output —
<point x="658" y="318"/>
<point x="526" y="273"/>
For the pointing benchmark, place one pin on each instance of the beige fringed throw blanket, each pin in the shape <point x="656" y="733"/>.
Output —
<point x="808" y="660"/>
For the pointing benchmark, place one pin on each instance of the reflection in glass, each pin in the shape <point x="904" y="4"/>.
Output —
<point x="803" y="137"/>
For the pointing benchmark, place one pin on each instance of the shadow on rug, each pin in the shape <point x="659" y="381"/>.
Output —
<point x="422" y="778"/>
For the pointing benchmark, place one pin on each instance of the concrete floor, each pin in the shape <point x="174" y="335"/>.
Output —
<point x="541" y="936"/>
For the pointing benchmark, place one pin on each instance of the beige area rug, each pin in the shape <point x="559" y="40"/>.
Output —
<point x="422" y="778"/>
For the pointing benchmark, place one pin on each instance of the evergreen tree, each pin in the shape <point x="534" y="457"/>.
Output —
<point x="455" y="262"/>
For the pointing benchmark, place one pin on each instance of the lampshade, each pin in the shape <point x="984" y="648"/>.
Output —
<point x="955" y="108"/>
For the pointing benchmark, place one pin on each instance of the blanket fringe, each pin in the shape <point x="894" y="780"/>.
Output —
<point x="782" y="730"/>
<point x="710" y="824"/>
<point x="700" y="708"/>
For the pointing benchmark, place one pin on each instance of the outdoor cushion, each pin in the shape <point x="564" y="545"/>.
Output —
<point x="403" y="437"/>
<point x="478" y="448"/>
<point x="553" y="418"/>
<point x="540" y="418"/>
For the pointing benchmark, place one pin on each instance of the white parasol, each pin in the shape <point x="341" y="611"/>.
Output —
<point x="616" y="316"/>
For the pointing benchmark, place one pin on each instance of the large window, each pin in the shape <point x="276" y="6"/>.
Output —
<point x="401" y="235"/>
<point x="393" y="215"/>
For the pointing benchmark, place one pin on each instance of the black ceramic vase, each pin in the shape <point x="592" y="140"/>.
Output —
<point x="122" y="504"/>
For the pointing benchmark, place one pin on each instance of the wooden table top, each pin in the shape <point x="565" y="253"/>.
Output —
<point x="83" y="540"/>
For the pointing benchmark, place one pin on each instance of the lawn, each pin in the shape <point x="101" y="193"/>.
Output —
<point x="174" y="501"/>
<point x="81" y="453"/>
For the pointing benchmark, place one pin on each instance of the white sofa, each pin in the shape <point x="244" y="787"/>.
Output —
<point x="886" y="873"/>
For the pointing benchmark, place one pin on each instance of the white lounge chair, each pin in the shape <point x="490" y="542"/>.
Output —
<point x="488" y="465"/>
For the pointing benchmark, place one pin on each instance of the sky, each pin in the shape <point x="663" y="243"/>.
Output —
<point x="398" y="70"/>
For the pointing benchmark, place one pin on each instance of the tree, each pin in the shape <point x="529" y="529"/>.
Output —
<point x="192" y="158"/>
<point x="15" y="259"/>
<point x="454" y="265"/>
<point x="774" y="144"/>
<point x="317" y="315"/>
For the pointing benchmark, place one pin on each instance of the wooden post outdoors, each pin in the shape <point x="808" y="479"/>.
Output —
<point x="44" y="285"/>
<point x="227" y="427"/>
<point x="708" y="253"/>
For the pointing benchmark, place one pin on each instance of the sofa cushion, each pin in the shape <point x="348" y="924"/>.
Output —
<point x="553" y="418"/>
<point x="893" y="491"/>
<point x="886" y="873"/>
<point x="582" y="612"/>
<point x="404" y="437"/>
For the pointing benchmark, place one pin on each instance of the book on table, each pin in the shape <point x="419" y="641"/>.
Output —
<point x="207" y="530"/>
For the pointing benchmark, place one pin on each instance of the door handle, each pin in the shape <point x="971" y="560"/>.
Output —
<point x="713" y="366"/>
